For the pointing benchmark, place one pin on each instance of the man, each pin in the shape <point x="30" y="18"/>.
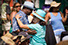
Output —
<point x="27" y="9"/>
<point x="5" y="15"/>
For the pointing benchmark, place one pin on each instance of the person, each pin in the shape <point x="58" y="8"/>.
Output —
<point x="27" y="9"/>
<point x="63" y="43"/>
<point x="16" y="9"/>
<point x="46" y="7"/>
<point x="64" y="35"/>
<point x="5" y="15"/>
<point x="39" y="38"/>
<point x="65" y="12"/>
<point x="56" y="20"/>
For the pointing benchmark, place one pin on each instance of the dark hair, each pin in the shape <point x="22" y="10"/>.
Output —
<point x="14" y="6"/>
<point x="44" y="6"/>
<point x="51" y="9"/>
<point x="42" y="22"/>
<point x="64" y="10"/>
<point x="24" y="7"/>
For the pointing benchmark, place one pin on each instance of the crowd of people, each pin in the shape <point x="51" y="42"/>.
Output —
<point x="25" y="25"/>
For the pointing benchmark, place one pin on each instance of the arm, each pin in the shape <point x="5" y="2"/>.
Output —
<point x="64" y="18"/>
<point x="20" y="23"/>
<point x="47" y="17"/>
<point x="11" y="16"/>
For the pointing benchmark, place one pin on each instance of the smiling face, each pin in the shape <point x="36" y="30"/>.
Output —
<point x="18" y="7"/>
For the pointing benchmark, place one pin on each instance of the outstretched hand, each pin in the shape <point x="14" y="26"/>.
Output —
<point x="17" y="16"/>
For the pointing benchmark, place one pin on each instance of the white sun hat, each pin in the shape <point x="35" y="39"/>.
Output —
<point x="47" y="2"/>
<point x="28" y="4"/>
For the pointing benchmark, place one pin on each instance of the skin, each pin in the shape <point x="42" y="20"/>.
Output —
<point x="27" y="12"/>
<point x="66" y="11"/>
<point x="48" y="16"/>
<point x="35" y="20"/>
<point x="15" y="12"/>
<point x="18" y="8"/>
<point x="21" y="24"/>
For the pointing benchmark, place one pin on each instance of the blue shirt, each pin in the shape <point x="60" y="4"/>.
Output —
<point x="23" y="19"/>
<point x="56" y="22"/>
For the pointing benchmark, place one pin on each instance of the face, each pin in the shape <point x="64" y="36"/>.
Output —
<point x="55" y="9"/>
<point x="28" y="11"/>
<point x="36" y="20"/>
<point x="18" y="6"/>
<point x="66" y="11"/>
<point x="46" y="10"/>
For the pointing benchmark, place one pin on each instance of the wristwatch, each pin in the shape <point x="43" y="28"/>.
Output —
<point x="17" y="18"/>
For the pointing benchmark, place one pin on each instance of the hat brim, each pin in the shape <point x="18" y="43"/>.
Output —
<point x="38" y="17"/>
<point x="7" y="40"/>
<point x="28" y="7"/>
<point x="28" y="37"/>
<point x="24" y="34"/>
<point x="55" y="5"/>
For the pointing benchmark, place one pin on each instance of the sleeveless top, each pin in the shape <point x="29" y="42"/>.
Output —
<point x="56" y="21"/>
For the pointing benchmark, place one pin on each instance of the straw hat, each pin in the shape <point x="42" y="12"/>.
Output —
<point x="8" y="35"/>
<point x="22" y="38"/>
<point x="55" y="4"/>
<point x="8" y="38"/>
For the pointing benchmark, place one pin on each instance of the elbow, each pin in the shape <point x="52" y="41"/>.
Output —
<point x="63" y="20"/>
<point x="21" y="26"/>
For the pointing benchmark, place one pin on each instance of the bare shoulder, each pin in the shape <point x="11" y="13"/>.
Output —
<point x="13" y="13"/>
<point x="48" y="15"/>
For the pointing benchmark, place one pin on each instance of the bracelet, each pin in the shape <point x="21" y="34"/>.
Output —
<point x="17" y="18"/>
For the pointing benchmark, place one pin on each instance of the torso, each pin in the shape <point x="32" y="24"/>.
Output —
<point x="56" y="21"/>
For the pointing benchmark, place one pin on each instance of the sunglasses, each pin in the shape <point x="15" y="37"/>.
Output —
<point x="18" y="6"/>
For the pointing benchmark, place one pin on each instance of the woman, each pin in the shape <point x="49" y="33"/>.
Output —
<point x="16" y="9"/>
<point x="56" y="20"/>
<point x="65" y="12"/>
<point x="39" y="38"/>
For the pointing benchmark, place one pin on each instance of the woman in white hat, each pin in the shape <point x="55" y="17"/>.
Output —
<point x="39" y="37"/>
<point x="56" y="20"/>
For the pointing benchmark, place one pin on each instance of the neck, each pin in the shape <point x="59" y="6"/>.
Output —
<point x="24" y="11"/>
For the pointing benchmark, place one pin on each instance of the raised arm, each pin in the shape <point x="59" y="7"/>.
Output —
<point x="64" y="18"/>
<point x="20" y="23"/>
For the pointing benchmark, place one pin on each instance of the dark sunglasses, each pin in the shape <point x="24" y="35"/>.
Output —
<point x="18" y="6"/>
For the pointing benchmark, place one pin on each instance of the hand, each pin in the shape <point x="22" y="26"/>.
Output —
<point x="66" y="11"/>
<point x="17" y="16"/>
<point x="66" y="14"/>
